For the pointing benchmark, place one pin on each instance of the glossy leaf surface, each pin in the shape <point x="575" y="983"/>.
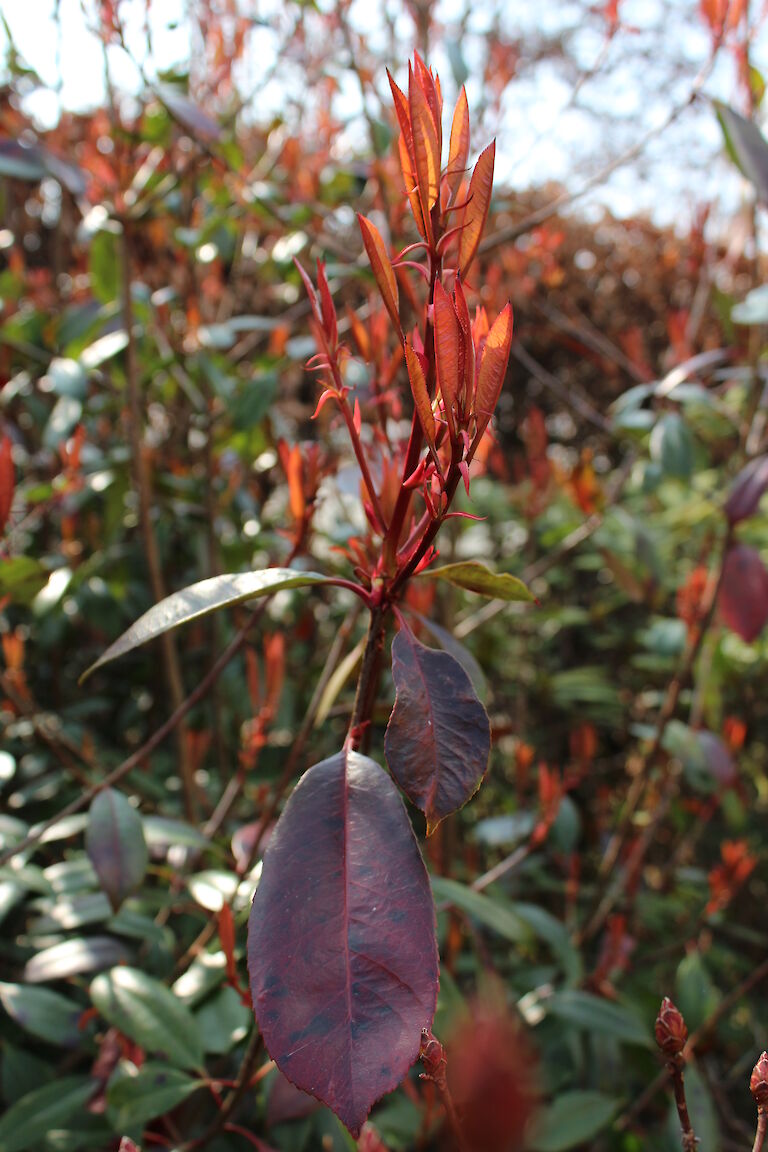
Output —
<point x="743" y="602"/>
<point x="144" y="1009"/>
<point x="473" y="576"/>
<point x="341" y="946"/>
<point x="438" y="739"/>
<point x="199" y="599"/>
<point x="747" y="490"/>
<point x="153" y="1091"/>
<point x="381" y="266"/>
<point x="493" y="368"/>
<point x="421" y="398"/>
<point x="43" y="1013"/>
<point x="476" y="213"/>
<point x="114" y="841"/>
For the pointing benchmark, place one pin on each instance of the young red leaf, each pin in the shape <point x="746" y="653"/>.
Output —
<point x="7" y="481"/>
<point x="426" y="150"/>
<point x="402" y="111"/>
<point x="476" y="212"/>
<point x="411" y="188"/>
<point x="381" y="266"/>
<point x="743" y="602"/>
<point x="327" y="306"/>
<point x="420" y="394"/>
<point x="747" y="490"/>
<point x="342" y="959"/>
<point x="447" y="337"/>
<point x="493" y="368"/>
<point x="438" y="739"/>
<point x="459" y="145"/>
<point x="114" y="841"/>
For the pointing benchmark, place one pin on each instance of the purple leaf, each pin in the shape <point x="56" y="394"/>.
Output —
<point x="341" y="940"/>
<point x="114" y="841"/>
<point x="718" y="758"/>
<point x="743" y="602"/>
<point x="747" y="490"/>
<point x="438" y="739"/>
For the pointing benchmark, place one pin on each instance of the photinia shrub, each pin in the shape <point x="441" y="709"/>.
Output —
<point x="342" y="953"/>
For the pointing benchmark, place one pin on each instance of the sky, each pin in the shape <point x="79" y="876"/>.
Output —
<point x="542" y="136"/>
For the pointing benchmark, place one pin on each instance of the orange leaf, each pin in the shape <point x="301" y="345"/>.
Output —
<point x="433" y="97"/>
<point x="381" y="266"/>
<point x="409" y="176"/>
<point x="447" y="338"/>
<point x="476" y="212"/>
<point x="420" y="394"/>
<point x="402" y="111"/>
<point x="459" y="146"/>
<point x="493" y="367"/>
<point x="426" y="151"/>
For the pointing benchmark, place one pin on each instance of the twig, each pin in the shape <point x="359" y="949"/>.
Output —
<point x="566" y="199"/>
<point x="247" y="1068"/>
<point x="171" y="665"/>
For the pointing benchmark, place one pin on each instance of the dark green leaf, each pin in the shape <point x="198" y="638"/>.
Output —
<point x="45" y="1014"/>
<point x="573" y="1119"/>
<point x="136" y="1098"/>
<point x="150" y="1014"/>
<point x="30" y="1119"/>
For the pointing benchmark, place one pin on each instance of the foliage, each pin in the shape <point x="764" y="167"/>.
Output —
<point x="565" y="558"/>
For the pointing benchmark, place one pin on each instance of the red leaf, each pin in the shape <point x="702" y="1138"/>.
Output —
<point x="326" y="303"/>
<point x="476" y="213"/>
<point x="493" y="368"/>
<point x="343" y="960"/>
<point x="426" y="150"/>
<point x="420" y="395"/>
<point x="459" y="146"/>
<point x="747" y="490"/>
<point x="438" y="739"/>
<point x="447" y="336"/>
<point x="382" y="267"/>
<point x="7" y="481"/>
<point x="743" y="602"/>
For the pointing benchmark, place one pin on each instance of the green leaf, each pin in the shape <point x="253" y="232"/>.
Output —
<point x="163" y="832"/>
<point x="44" y="1014"/>
<point x="500" y="918"/>
<point x="199" y="599"/>
<point x="133" y="1099"/>
<point x="746" y="146"/>
<point x="223" y="1021"/>
<point x="549" y="929"/>
<point x="104" y="266"/>
<point x="696" y="995"/>
<point x="74" y="957"/>
<point x="593" y="1014"/>
<point x="114" y="841"/>
<point x="573" y="1119"/>
<point x="473" y="576"/>
<point x="21" y="578"/>
<point x="672" y="446"/>
<point x="147" y="1012"/>
<point x="30" y="1119"/>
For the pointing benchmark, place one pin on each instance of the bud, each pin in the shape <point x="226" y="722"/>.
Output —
<point x="671" y="1032"/>
<point x="758" y="1081"/>
<point x="432" y="1056"/>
